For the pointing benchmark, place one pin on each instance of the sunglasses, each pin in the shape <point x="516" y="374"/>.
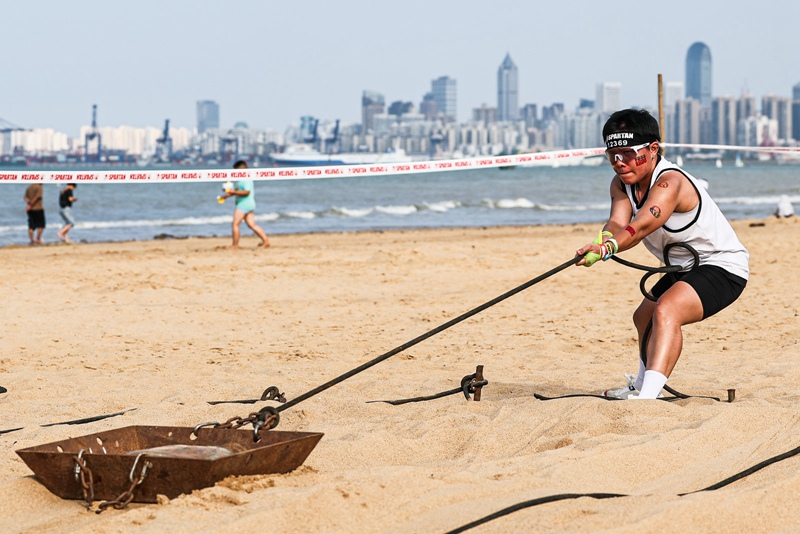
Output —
<point x="625" y="154"/>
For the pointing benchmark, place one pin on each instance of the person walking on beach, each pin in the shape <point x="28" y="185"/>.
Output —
<point x="655" y="201"/>
<point x="35" y="209"/>
<point x="65" y="200"/>
<point x="244" y="191"/>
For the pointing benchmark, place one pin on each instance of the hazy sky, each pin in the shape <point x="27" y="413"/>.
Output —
<point x="269" y="62"/>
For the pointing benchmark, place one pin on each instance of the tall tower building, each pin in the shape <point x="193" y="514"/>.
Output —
<point x="745" y="107"/>
<point x="723" y="120"/>
<point x="687" y="121"/>
<point x="372" y="103"/>
<point x="485" y="114"/>
<point x="673" y="91"/>
<point x="779" y="109"/>
<point x="698" y="73"/>
<point x="796" y="112"/>
<point x="207" y="115"/>
<point x="443" y="89"/>
<point x="530" y="114"/>
<point x="507" y="85"/>
<point x="428" y="107"/>
<point x="608" y="97"/>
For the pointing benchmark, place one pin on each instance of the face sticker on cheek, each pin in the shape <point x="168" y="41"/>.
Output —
<point x="655" y="211"/>
<point x="641" y="160"/>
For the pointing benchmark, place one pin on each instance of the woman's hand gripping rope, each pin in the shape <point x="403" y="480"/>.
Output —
<point x="604" y="249"/>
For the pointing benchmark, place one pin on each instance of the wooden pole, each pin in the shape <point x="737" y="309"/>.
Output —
<point x="661" y="111"/>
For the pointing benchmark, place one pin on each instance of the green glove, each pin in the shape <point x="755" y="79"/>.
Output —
<point x="592" y="257"/>
<point x="599" y="239"/>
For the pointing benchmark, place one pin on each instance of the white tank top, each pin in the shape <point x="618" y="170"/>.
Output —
<point x="704" y="228"/>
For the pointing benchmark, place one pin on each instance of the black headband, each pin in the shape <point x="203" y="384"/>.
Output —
<point x="623" y="139"/>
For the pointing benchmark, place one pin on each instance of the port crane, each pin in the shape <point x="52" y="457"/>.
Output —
<point x="6" y="128"/>
<point x="91" y="136"/>
<point x="164" y="145"/>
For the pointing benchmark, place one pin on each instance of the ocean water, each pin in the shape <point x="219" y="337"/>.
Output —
<point x="472" y="198"/>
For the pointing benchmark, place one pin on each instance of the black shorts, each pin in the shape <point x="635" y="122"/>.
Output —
<point x="36" y="219"/>
<point x="716" y="287"/>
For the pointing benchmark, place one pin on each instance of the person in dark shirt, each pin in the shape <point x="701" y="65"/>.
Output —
<point x="35" y="209"/>
<point x="65" y="200"/>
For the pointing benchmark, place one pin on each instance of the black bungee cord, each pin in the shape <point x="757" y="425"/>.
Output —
<point x="669" y="270"/>
<point x="565" y="496"/>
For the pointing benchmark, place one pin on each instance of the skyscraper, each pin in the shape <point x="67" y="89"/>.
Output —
<point x="687" y="121"/>
<point x="698" y="73"/>
<point x="796" y="112"/>
<point x="485" y="114"/>
<point x="443" y="89"/>
<point x="372" y="103"/>
<point x="530" y="114"/>
<point x="724" y="127"/>
<point x="780" y="109"/>
<point x="745" y="107"/>
<point x="507" y="106"/>
<point x="428" y="107"/>
<point x="207" y="115"/>
<point x="673" y="91"/>
<point x="608" y="97"/>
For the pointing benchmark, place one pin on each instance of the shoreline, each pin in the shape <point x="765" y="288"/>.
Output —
<point x="247" y="233"/>
<point x="160" y="328"/>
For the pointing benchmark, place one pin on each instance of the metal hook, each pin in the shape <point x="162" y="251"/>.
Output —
<point x="201" y="425"/>
<point x="77" y="469"/>
<point x="145" y="468"/>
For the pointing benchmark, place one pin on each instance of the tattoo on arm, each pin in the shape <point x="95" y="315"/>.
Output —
<point x="655" y="211"/>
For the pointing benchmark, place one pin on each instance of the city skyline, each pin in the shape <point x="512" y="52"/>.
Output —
<point x="269" y="65"/>
<point x="700" y="117"/>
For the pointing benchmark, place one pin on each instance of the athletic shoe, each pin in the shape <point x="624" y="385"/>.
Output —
<point x="623" y="392"/>
<point x="628" y="392"/>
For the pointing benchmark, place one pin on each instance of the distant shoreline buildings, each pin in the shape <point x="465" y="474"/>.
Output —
<point x="432" y="129"/>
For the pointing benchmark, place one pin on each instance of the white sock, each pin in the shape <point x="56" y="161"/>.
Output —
<point x="639" y="379"/>
<point x="652" y="384"/>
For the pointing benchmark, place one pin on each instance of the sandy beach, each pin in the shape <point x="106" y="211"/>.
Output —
<point x="159" y="328"/>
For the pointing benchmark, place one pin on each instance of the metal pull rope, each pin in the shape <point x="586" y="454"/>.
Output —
<point x="430" y="333"/>
<point x="269" y="416"/>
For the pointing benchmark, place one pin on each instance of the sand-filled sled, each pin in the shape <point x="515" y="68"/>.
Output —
<point x="138" y="463"/>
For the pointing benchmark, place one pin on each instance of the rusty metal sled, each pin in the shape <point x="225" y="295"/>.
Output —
<point x="112" y="457"/>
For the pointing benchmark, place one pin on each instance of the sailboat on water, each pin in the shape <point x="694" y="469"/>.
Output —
<point x="739" y="162"/>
